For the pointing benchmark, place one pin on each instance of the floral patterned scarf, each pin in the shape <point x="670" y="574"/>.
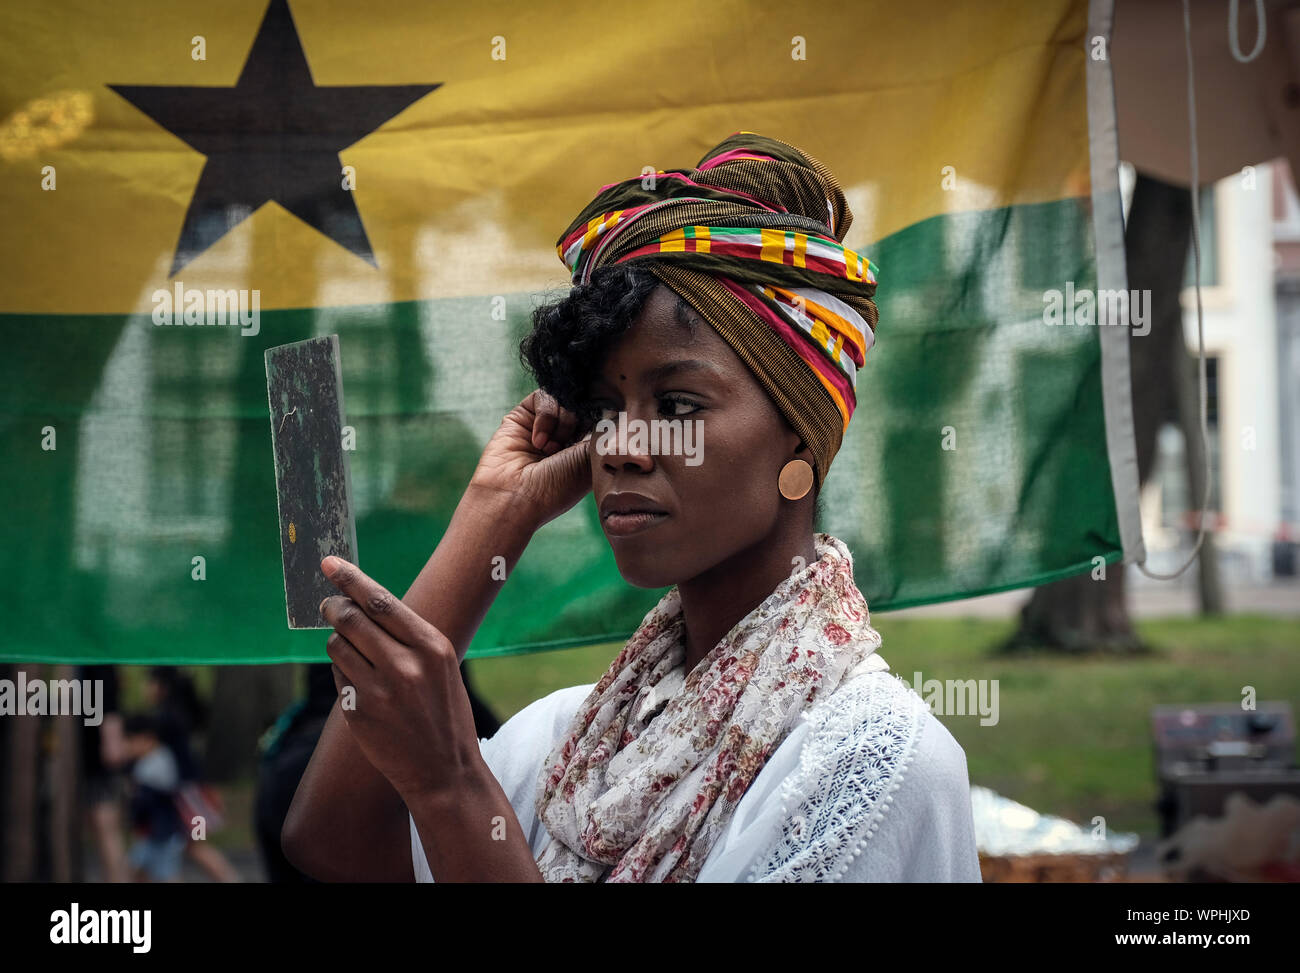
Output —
<point x="656" y="761"/>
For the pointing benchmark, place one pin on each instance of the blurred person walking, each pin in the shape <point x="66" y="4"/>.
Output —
<point x="180" y="713"/>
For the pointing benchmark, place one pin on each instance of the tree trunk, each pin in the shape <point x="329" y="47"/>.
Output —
<point x="1079" y="614"/>
<point x="65" y="775"/>
<point x="245" y="701"/>
<point x="21" y="768"/>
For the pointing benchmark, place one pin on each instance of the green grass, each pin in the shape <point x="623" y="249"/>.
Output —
<point x="1073" y="735"/>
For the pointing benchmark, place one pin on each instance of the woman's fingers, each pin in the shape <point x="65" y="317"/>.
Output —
<point x="546" y="415"/>
<point x="340" y="680"/>
<point x="349" y="664"/>
<point x="372" y="644"/>
<point x="565" y="427"/>
<point x="553" y="425"/>
<point x="370" y="610"/>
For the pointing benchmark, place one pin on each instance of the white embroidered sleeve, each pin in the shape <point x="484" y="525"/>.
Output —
<point x="881" y="794"/>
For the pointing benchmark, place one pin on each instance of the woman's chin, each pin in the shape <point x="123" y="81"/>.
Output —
<point x="644" y="571"/>
<point x="640" y="579"/>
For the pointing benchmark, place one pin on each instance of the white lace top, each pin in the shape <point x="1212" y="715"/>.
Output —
<point x="870" y="787"/>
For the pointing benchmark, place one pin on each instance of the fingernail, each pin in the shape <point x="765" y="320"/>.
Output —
<point x="329" y="565"/>
<point x="321" y="609"/>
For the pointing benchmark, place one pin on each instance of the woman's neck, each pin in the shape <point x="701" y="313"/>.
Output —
<point x="713" y="602"/>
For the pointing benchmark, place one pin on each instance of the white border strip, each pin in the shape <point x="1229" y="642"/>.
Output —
<point x="1112" y="274"/>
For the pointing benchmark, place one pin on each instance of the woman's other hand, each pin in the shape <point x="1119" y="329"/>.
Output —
<point x="534" y="458"/>
<point x="408" y="709"/>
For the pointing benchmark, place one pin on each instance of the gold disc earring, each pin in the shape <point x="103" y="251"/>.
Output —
<point x="796" y="479"/>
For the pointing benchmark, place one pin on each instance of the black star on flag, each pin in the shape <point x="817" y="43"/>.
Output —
<point x="274" y="137"/>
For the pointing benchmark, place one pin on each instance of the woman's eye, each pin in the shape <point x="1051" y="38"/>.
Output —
<point x="678" y="407"/>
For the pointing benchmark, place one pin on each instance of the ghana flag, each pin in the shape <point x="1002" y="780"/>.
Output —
<point x="398" y="172"/>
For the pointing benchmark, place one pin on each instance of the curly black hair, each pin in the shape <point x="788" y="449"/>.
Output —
<point x="570" y="339"/>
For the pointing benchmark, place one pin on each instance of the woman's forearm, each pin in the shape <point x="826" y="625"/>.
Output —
<point x="486" y="537"/>
<point x="346" y="821"/>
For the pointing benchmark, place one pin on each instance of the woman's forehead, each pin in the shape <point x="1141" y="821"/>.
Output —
<point x="666" y="319"/>
<point x="658" y="343"/>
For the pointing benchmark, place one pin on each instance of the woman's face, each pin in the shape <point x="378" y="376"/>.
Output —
<point x="714" y="483"/>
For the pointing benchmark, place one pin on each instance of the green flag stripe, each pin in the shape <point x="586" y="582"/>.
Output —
<point x="976" y="460"/>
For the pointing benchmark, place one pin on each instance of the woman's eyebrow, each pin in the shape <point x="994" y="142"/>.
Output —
<point x="666" y="369"/>
<point x="682" y="365"/>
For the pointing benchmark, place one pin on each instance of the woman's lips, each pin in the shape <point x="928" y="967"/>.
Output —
<point x="620" y="525"/>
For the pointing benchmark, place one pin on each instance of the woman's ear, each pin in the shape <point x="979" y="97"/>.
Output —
<point x="793" y="440"/>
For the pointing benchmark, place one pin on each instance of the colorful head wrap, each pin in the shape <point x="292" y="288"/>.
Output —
<point x="751" y="238"/>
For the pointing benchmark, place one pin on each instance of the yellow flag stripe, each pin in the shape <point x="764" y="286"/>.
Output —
<point x="962" y="108"/>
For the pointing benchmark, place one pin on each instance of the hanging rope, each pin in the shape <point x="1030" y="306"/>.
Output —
<point x="1196" y="265"/>
<point x="1261" y="29"/>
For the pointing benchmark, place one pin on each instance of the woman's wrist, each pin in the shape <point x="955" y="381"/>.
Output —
<point x="503" y="509"/>
<point x="471" y="833"/>
<point x="450" y="790"/>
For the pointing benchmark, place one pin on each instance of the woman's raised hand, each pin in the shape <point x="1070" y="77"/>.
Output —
<point x="536" y="459"/>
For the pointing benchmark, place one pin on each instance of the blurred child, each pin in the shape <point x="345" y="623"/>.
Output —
<point x="180" y="713"/>
<point x="159" y="848"/>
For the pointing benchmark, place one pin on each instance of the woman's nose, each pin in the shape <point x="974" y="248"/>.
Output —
<point x="621" y="444"/>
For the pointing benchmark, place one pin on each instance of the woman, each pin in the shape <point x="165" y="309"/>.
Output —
<point x="748" y="730"/>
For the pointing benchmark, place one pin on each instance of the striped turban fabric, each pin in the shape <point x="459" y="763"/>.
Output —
<point x="752" y="239"/>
